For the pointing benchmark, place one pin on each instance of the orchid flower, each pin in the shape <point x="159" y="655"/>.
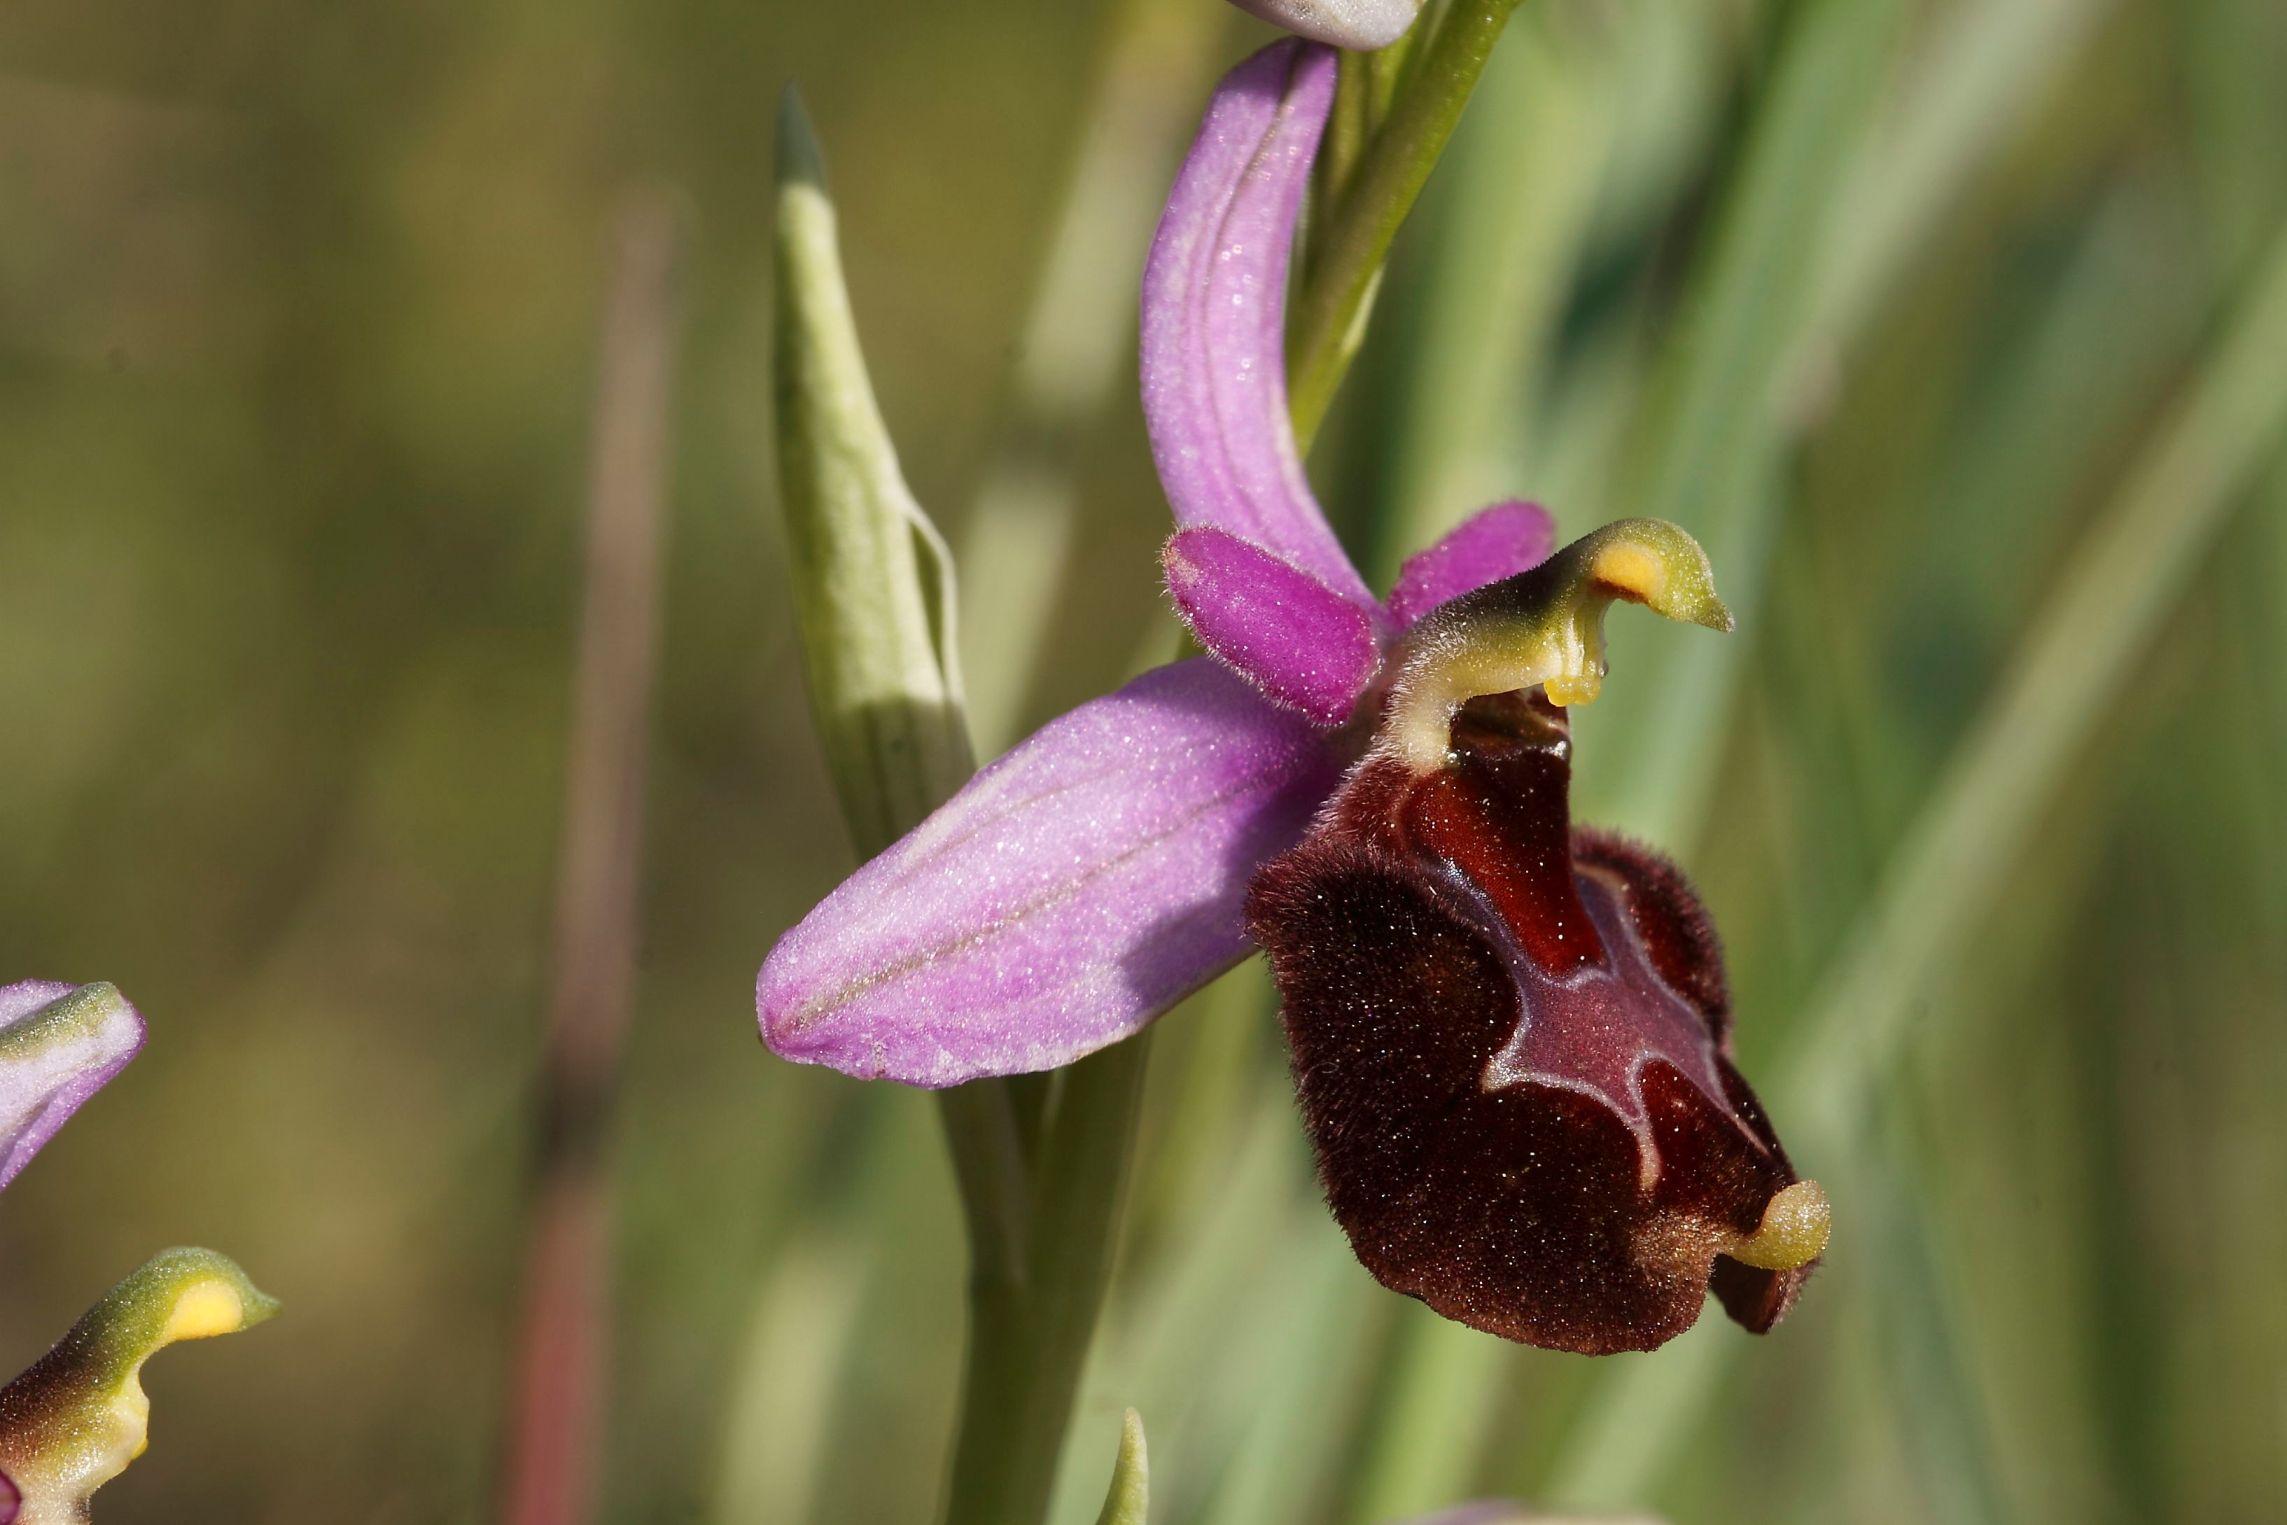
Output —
<point x="1510" y="1040"/>
<point x="78" y="1415"/>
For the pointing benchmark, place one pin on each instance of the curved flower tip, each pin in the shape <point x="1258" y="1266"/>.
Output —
<point x="1543" y="629"/>
<point x="59" y="1043"/>
<point x="1071" y="892"/>
<point x="79" y="1415"/>
<point x="1212" y="338"/>
<point x="1344" y="23"/>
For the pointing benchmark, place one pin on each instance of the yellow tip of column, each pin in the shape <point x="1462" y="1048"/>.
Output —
<point x="1796" y="1224"/>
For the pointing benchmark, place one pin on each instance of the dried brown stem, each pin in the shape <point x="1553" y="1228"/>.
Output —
<point x="556" y="1403"/>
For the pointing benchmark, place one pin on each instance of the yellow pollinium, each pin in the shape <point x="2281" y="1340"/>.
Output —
<point x="1540" y="629"/>
<point x="204" y="1311"/>
<point x="1793" y="1233"/>
<point x="1635" y="571"/>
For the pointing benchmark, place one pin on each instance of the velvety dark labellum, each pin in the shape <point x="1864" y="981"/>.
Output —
<point x="1510" y="1039"/>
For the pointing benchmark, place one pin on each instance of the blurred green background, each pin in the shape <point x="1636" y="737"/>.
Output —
<point x="1943" y="322"/>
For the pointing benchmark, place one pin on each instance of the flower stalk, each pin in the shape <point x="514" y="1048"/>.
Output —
<point x="1343" y="265"/>
<point x="1041" y="1163"/>
<point x="557" y="1413"/>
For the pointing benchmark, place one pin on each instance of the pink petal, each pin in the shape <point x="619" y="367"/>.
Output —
<point x="1213" y="320"/>
<point x="59" y="1043"/>
<point x="1073" y="891"/>
<point x="1497" y="542"/>
<point x="1304" y="645"/>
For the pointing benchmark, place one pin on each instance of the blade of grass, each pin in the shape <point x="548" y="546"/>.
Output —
<point x="1938" y="1413"/>
<point x="780" y="1404"/>
<point x="557" y="1418"/>
<point x="2117" y="588"/>
<point x="1077" y="338"/>
<point x="1195" y="1309"/>
<point x="1439" y="1403"/>
<point x="1314" y="1376"/>
<point x="1986" y="69"/>
<point x="1348" y="244"/>
<point x="1127" y="1500"/>
<point x="1716" y="425"/>
<point x="1522" y="188"/>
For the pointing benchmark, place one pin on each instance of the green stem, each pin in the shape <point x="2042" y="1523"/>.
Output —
<point x="1030" y="1320"/>
<point x="1347" y="129"/>
<point x="1041" y="1160"/>
<point x="985" y="1137"/>
<point x="1347" y="251"/>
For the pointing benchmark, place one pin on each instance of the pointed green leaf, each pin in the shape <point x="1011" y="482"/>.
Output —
<point x="1125" y="1501"/>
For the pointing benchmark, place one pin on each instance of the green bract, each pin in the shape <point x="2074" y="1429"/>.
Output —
<point x="873" y="582"/>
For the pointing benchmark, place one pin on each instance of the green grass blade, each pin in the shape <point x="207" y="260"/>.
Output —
<point x="1716" y="427"/>
<point x="2109" y="604"/>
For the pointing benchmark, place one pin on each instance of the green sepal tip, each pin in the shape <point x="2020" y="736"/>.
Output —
<point x="79" y="1415"/>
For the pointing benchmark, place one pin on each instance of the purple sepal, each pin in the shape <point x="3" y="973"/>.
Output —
<point x="1304" y="645"/>
<point x="10" y="1499"/>
<point x="59" y="1043"/>
<point x="1491" y="544"/>
<point x="1213" y="316"/>
<point x="1071" y="892"/>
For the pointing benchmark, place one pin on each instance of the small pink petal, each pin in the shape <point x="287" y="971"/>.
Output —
<point x="1494" y="543"/>
<point x="59" y="1043"/>
<point x="1070" y="893"/>
<point x="1304" y="645"/>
